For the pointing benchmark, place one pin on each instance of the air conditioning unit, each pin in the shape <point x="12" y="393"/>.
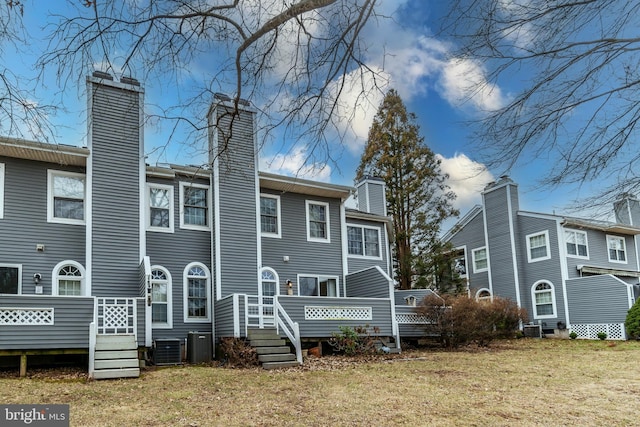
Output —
<point x="199" y="348"/>
<point x="532" y="331"/>
<point x="167" y="352"/>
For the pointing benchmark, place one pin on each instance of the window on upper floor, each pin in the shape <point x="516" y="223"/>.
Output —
<point x="480" y="262"/>
<point x="10" y="279"/>
<point x="324" y="286"/>
<point x="160" y="207"/>
<point x="363" y="241"/>
<point x="317" y="221"/>
<point x="197" y="293"/>
<point x="68" y="279"/>
<point x="161" y="311"/>
<point x="617" y="249"/>
<point x="1" y="190"/>
<point x="194" y="206"/>
<point x="544" y="300"/>
<point x="576" y="242"/>
<point x="538" y="246"/>
<point x="65" y="197"/>
<point x="270" y="215"/>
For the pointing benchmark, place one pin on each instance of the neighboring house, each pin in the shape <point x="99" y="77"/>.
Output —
<point x="98" y="248"/>
<point x="568" y="273"/>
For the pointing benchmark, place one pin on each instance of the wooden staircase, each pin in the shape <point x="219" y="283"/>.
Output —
<point x="116" y="356"/>
<point x="273" y="351"/>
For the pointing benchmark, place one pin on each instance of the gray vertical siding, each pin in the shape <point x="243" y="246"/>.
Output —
<point x="369" y="283"/>
<point x="472" y="236"/>
<point x="174" y="251"/>
<point x="237" y="177"/>
<point x="371" y="197"/>
<point x="115" y="145"/>
<point x="357" y="263"/>
<point x="25" y="224"/>
<point x="597" y="299"/>
<point x="400" y="296"/>
<point x="72" y="316"/>
<point x="315" y="258"/>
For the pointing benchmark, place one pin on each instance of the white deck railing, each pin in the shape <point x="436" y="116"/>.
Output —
<point x="289" y="327"/>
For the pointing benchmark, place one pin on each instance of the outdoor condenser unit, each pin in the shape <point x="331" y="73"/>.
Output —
<point x="167" y="352"/>
<point x="199" y="347"/>
<point x="533" y="331"/>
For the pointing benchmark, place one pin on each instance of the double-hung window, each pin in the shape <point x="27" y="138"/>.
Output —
<point x="194" y="205"/>
<point x="65" y="197"/>
<point x="161" y="312"/>
<point x="538" y="246"/>
<point x="480" y="262"/>
<point x="576" y="243"/>
<point x="317" y="221"/>
<point x="68" y="279"/>
<point x="617" y="249"/>
<point x="270" y="215"/>
<point x="197" y="293"/>
<point x="10" y="279"/>
<point x="160" y="207"/>
<point x="544" y="300"/>
<point x="363" y="241"/>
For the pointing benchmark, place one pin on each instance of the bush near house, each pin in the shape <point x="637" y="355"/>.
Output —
<point x="632" y="322"/>
<point x="237" y="353"/>
<point x="460" y="320"/>
<point x="353" y="341"/>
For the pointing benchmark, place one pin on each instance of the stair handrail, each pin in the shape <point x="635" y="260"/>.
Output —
<point x="290" y="328"/>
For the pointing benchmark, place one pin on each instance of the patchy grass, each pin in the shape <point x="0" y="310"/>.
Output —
<point x="523" y="382"/>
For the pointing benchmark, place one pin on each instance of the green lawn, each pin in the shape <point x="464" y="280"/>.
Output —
<point x="524" y="382"/>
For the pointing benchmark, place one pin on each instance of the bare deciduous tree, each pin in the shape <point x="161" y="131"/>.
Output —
<point x="579" y="63"/>
<point x="288" y="57"/>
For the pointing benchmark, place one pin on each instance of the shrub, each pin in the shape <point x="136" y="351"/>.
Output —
<point x="632" y="322"/>
<point x="459" y="320"/>
<point x="237" y="353"/>
<point x="573" y="335"/>
<point x="353" y="341"/>
<point x="602" y="335"/>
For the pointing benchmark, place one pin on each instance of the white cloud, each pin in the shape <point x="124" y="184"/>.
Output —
<point x="463" y="82"/>
<point x="467" y="179"/>
<point x="296" y="163"/>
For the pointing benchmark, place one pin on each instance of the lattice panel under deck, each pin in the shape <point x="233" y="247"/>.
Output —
<point x="116" y="316"/>
<point x="337" y="313"/>
<point x="412" y="319"/>
<point x="26" y="316"/>
<point x="614" y="331"/>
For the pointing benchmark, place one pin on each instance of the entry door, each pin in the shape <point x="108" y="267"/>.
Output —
<point x="268" y="291"/>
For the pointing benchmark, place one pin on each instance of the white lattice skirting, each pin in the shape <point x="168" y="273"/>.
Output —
<point x="337" y="313"/>
<point x="26" y="316"/>
<point x="412" y="319"/>
<point x="614" y="331"/>
<point x="116" y="316"/>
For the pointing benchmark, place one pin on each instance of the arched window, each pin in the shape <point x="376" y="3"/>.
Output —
<point x="544" y="300"/>
<point x="483" y="294"/>
<point x="197" y="293"/>
<point x="68" y="279"/>
<point x="161" y="307"/>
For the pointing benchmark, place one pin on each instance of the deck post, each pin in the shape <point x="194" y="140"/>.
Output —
<point x="23" y="365"/>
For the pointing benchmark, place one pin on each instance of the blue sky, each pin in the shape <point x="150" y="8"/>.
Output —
<point x="417" y="64"/>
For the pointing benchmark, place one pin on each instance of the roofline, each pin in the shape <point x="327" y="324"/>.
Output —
<point x="43" y="151"/>
<point x="466" y="219"/>
<point x="303" y="186"/>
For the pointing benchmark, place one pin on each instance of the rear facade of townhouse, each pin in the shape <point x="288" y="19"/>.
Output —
<point x="106" y="257"/>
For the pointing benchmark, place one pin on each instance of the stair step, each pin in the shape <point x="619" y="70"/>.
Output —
<point x="278" y="365"/>
<point x="104" y="374"/>
<point x="117" y="364"/>
<point x="116" y="354"/>
<point x="281" y="357"/>
<point x="267" y="343"/>
<point x="256" y="334"/>
<point x="116" y="342"/>
<point x="273" y="350"/>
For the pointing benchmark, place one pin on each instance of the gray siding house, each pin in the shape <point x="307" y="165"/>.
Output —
<point x="101" y="254"/>
<point x="569" y="273"/>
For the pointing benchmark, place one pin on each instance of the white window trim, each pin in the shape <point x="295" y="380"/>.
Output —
<point x="317" y="239"/>
<point x="586" y="237"/>
<point x="479" y="291"/>
<point x="276" y="280"/>
<point x="319" y="277"/>
<point x="277" y="235"/>
<point x="624" y="245"/>
<point x="147" y="193"/>
<point x="473" y="256"/>
<point x="363" y="256"/>
<point x="547" y="245"/>
<point x="55" y="277"/>
<point x="185" y="294"/>
<point x="553" y="301"/>
<point x="2" y="167"/>
<point x="208" y="201"/>
<point x="19" y="267"/>
<point x="463" y="248"/>
<point x="51" y="173"/>
<point x="169" y="322"/>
